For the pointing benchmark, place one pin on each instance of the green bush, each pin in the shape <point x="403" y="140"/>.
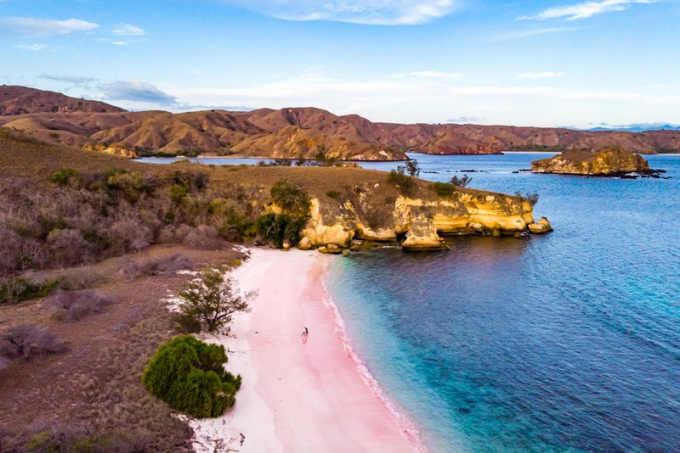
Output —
<point x="287" y="226"/>
<point x="291" y="198"/>
<point x="189" y="376"/>
<point x="443" y="189"/>
<point x="403" y="181"/>
<point x="66" y="177"/>
<point x="19" y="289"/>
<point x="278" y="228"/>
<point x="333" y="194"/>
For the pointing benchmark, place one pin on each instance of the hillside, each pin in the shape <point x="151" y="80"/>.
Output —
<point x="286" y="133"/>
<point x="18" y="100"/>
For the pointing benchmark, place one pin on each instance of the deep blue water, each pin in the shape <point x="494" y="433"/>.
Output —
<point x="563" y="342"/>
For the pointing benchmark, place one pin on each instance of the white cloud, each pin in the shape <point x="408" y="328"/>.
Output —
<point x="431" y="100"/>
<point x="466" y="120"/>
<point x="371" y="12"/>
<point x="302" y="91"/>
<point x="119" y="43"/>
<point x="33" y="47"/>
<point x="428" y="75"/>
<point x="128" y="30"/>
<point x="586" y="9"/>
<point x="540" y="75"/>
<point x="78" y="81"/>
<point x="535" y="32"/>
<point x="137" y="91"/>
<point x="34" y="26"/>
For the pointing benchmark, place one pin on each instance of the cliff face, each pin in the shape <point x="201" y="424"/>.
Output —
<point x="610" y="161"/>
<point x="416" y="223"/>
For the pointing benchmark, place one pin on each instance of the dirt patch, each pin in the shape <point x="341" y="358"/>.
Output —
<point x="94" y="389"/>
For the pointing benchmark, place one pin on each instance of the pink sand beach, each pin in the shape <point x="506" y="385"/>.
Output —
<point x="302" y="396"/>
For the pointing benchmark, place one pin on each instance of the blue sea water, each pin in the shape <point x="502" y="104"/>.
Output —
<point x="564" y="342"/>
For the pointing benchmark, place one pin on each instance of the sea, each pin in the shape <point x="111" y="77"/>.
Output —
<point x="567" y="342"/>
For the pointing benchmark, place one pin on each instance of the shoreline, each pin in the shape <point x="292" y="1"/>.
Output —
<point x="296" y="396"/>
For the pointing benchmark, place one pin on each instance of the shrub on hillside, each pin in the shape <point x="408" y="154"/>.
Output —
<point x="287" y="226"/>
<point x="443" y="189"/>
<point x="75" y="305"/>
<point x="189" y="376"/>
<point x="204" y="237"/>
<point x="66" y="177"/>
<point x="160" y="266"/>
<point x="68" y="247"/>
<point x="45" y="437"/>
<point x="19" y="289"/>
<point x="279" y="228"/>
<point x="28" y="341"/>
<point x="291" y="198"/>
<point x="403" y="181"/>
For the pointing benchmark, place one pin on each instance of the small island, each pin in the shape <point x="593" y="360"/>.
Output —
<point x="615" y="161"/>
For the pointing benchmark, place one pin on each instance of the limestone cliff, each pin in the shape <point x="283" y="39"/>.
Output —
<point x="113" y="150"/>
<point x="415" y="222"/>
<point x="607" y="162"/>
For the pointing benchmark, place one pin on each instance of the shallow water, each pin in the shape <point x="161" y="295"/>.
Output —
<point x="564" y="342"/>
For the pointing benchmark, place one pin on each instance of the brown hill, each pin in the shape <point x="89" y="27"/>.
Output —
<point x="18" y="100"/>
<point x="287" y="133"/>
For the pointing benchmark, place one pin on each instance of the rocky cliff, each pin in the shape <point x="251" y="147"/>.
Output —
<point x="607" y="162"/>
<point x="368" y="217"/>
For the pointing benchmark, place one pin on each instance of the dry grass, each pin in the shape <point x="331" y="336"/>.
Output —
<point x="95" y="387"/>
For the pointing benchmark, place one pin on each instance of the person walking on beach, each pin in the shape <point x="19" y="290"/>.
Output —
<point x="305" y="334"/>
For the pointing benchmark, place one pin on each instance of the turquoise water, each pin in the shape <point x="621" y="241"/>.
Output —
<point x="564" y="342"/>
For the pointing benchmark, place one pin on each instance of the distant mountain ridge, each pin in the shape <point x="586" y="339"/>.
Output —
<point x="291" y="133"/>
<point x="642" y="127"/>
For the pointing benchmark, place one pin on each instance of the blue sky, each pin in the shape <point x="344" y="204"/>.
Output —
<point x="542" y="63"/>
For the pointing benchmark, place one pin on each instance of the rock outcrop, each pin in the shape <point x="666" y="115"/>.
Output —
<point x="541" y="227"/>
<point x="417" y="223"/>
<point x="607" y="162"/>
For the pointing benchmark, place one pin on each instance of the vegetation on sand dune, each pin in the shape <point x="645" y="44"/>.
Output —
<point x="189" y="376"/>
<point x="211" y="300"/>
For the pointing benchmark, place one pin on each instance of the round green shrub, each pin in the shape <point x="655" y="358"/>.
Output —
<point x="189" y="376"/>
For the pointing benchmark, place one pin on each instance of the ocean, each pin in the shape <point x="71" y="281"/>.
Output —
<point x="567" y="342"/>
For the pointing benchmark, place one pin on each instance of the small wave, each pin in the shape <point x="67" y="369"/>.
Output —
<point x="410" y="431"/>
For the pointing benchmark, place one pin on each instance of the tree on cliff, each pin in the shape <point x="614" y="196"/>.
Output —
<point x="411" y="168"/>
<point x="212" y="299"/>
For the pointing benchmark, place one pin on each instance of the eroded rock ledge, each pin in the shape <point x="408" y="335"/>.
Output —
<point x="416" y="223"/>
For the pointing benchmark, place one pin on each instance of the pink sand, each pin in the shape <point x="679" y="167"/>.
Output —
<point x="302" y="397"/>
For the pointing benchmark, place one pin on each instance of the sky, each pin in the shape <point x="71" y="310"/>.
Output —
<point x="527" y="63"/>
